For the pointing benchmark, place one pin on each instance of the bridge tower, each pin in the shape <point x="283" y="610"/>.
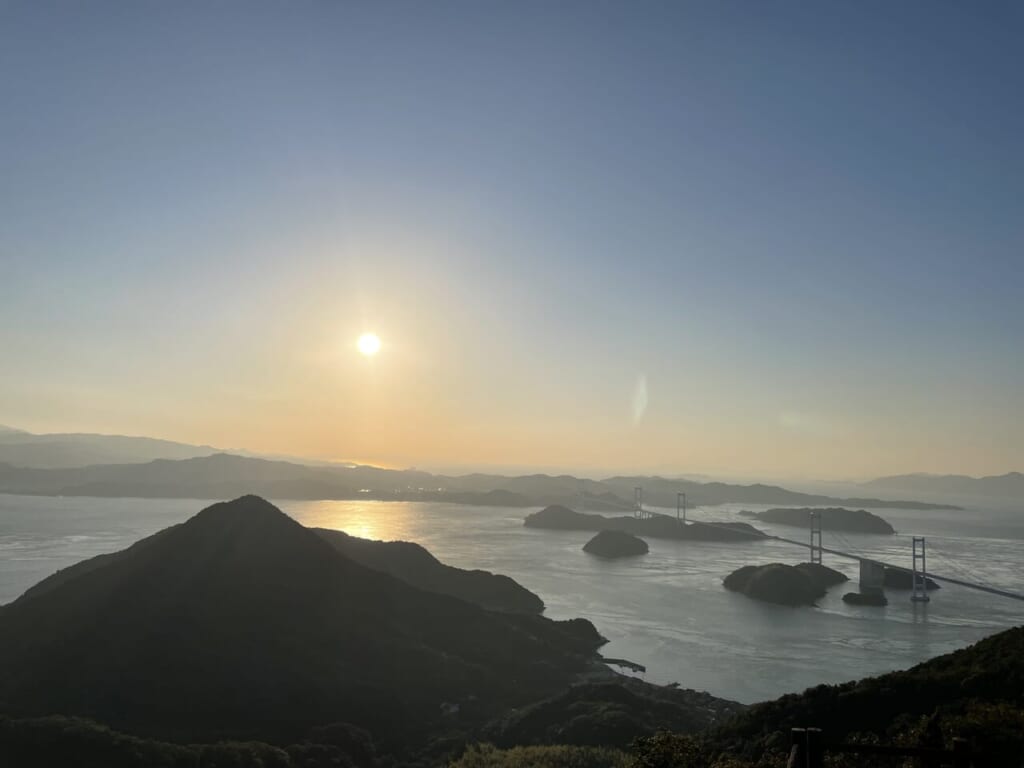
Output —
<point x="681" y="507"/>
<point x="919" y="577"/>
<point x="816" y="536"/>
<point x="638" y="502"/>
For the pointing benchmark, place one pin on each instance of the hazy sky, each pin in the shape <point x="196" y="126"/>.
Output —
<point x="753" y="238"/>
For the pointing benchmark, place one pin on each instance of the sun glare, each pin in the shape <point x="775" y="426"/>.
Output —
<point x="369" y="344"/>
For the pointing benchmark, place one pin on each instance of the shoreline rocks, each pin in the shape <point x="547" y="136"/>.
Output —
<point x="876" y="598"/>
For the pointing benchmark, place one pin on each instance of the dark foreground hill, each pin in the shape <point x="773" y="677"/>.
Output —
<point x="977" y="692"/>
<point x="241" y="623"/>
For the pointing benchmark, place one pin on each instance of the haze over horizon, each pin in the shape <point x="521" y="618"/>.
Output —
<point x="723" y="238"/>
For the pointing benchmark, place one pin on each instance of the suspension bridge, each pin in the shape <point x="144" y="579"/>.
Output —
<point x="871" y="567"/>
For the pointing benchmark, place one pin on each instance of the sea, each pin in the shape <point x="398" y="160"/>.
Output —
<point x="667" y="610"/>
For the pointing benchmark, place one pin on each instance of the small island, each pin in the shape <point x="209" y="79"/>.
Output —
<point x="872" y="597"/>
<point x="832" y="519"/>
<point x="612" y="544"/>
<point x="783" y="584"/>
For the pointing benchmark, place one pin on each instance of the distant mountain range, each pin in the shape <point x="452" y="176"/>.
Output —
<point x="64" y="450"/>
<point x="1008" y="486"/>
<point x="220" y="476"/>
<point x="75" y="449"/>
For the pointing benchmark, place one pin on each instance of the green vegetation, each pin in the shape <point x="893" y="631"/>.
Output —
<point x="611" y="714"/>
<point x="82" y="743"/>
<point x="62" y="741"/>
<point x="975" y="693"/>
<point x="559" y="756"/>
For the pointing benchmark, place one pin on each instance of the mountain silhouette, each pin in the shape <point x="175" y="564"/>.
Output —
<point x="223" y="475"/>
<point x="241" y="623"/>
<point x="1008" y="486"/>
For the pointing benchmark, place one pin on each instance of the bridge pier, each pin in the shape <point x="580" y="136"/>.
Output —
<point x="872" y="577"/>
<point x="816" y="548"/>
<point x="638" y="502"/>
<point x="919" y="578"/>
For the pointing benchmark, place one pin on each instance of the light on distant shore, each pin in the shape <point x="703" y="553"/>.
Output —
<point x="369" y="344"/>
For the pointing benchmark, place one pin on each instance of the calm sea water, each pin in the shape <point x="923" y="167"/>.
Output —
<point x="666" y="610"/>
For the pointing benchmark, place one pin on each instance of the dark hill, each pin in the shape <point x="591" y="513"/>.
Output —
<point x="615" y="544"/>
<point x="241" y="623"/>
<point x="416" y="566"/>
<point x="967" y="687"/>
<point x="562" y="518"/>
<point x="783" y="584"/>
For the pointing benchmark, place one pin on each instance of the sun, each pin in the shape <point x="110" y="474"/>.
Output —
<point x="369" y="344"/>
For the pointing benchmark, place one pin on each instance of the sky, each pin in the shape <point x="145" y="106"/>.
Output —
<point x="763" y="239"/>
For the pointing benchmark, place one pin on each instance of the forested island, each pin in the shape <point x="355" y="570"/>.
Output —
<point x="832" y="519"/>
<point x="800" y="584"/>
<point x="558" y="517"/>
<point x="612" y="544"/>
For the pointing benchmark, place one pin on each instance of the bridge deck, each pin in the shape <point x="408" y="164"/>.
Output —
<point x="947" y="579"/>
